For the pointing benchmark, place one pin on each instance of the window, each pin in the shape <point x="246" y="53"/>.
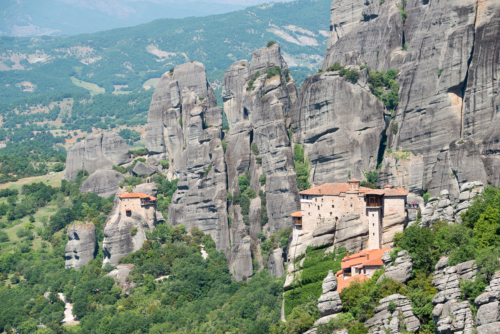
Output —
<point x="321" y="200"/>
<point x="320" y="215"/>
<point x="330" y="214"/>
<point x="373" y="215"/>
<point x="351" y="205"/>
<point x="309" y="213"/>
<point x="318" y="207"/>
<point x="333" y="206"/>
<point x="315" y="199"/>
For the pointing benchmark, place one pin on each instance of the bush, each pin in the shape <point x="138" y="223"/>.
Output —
<point x="133" y="231"/>
<point x="3" y="237"/>
<point x="270" y="43"/>
<point x="262" y="179"/>
<point x="58" y="167"/>
<point x="165" y="164"/>
<point x="254" y="149"/>
<point x="395" y="127"/>
<point x="224" y="145"/>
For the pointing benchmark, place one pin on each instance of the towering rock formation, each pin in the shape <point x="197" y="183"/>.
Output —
<point x="256" y="101"/>
<point x="340" y="126"/>
<point x="447" y="55"/>
<point x="81" y="246"/>
<point x="125" y="234"/>
<point x="185" y="126"/>
<point x="97" y="151"/>
<point x="365" y="32"/>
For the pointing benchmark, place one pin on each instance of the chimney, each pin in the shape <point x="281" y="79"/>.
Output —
<point x="314" y="184"/>
<point x="403" y="187"/>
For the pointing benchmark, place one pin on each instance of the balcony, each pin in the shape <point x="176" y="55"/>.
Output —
<point x="305" y="199"/>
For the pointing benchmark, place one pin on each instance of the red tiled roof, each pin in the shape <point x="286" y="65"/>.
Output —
<point x="331" y="189"/>
<point x="137" y="195"/>
<point x="388" y="192"/>
<point x="297" y="214"/>
<point x="344" y="283"/>
<point x="363" y="257"/>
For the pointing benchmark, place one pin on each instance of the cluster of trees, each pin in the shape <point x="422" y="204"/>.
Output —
<point x="385" y="79"/>
<point x="29" y="158"/>
<point x="351" y="75"/>
<point x="302" y="169"/>
<point x="199" y="295"/>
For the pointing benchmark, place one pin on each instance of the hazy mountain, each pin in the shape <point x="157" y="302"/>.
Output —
<point x="70" y="17"/>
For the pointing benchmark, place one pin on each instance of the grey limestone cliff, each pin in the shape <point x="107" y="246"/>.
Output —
<point x="488" y="313"/>
<point x="340" y="126"/>
<point x="81" y="246"/>
<point x="401" y="319"/>
<point x="184" y="125"/>
<point x="451" y="315"/>
<point x="97" y="151"/>
<point x="119" y="239"/>
<point x="400" y="270"/>
<point x="104" y="183"/>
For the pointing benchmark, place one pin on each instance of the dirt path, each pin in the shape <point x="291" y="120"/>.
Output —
<point x="69" y="319"/>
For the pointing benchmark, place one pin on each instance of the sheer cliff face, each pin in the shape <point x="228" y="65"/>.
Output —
<point x="99" y="151"/>
<point x="185" y="126"/>
<point x="366" y="28"/>
<point x="448" y="80"/>
<point x="256" y="115"/>
<point x="340" y="126"/>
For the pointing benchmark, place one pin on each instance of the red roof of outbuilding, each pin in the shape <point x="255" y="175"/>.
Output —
<point x="297" y="214"/>
<point x="137" y="195"/>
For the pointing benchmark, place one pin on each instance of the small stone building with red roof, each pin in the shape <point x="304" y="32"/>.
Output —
<point x="137" y="203"/>
<point x="360" y="266"/>
<point x="329" y="202"/>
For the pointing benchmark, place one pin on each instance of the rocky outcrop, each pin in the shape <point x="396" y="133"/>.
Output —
<point x="329" y="303"/>
<point x="338" y="143"/>
<point x="256" y="115"/>
<point x="120" y="273"/>
<point x="124" y="235"/>
<point x="401" y="320"/>
<point x="97" y="151"/>
<point x="241" y="267"/>
<point x="184" y="126"/>
<point x="392" y="223"/>
<point x="400" y="270"/>
<point x="81" y="246"/>
<point x="444" y="208"/>
<point x="488" y="313"/>
<point x="432" y="78"/>
<point x="146" y="188"/>
<point x="104" y="183"/>
<point x="141" y="169"/>
<point x="380" y="24"/>
<point x="450" y="315"/>
<point x="402" y="169"/>
<point x="351" y="233"/>
<point x="275" y="263"/>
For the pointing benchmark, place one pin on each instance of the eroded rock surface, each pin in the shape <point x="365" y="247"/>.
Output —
<point x="104" y="183"/>
<point x="488" y="304"/>
<point x="97" y="151"/>
<point x="124" y="235"/>
<point x="275" y="263"/>
<point x="450" y="315"/>
<point x="400" y="270"/>
<point x="338" y="143"/>
<point x="81" y="246"/>
<point x="386" y="322"/>
<point x="329" y="303"/>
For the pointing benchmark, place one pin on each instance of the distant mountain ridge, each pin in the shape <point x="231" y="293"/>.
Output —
<point x="70" y="17"/>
